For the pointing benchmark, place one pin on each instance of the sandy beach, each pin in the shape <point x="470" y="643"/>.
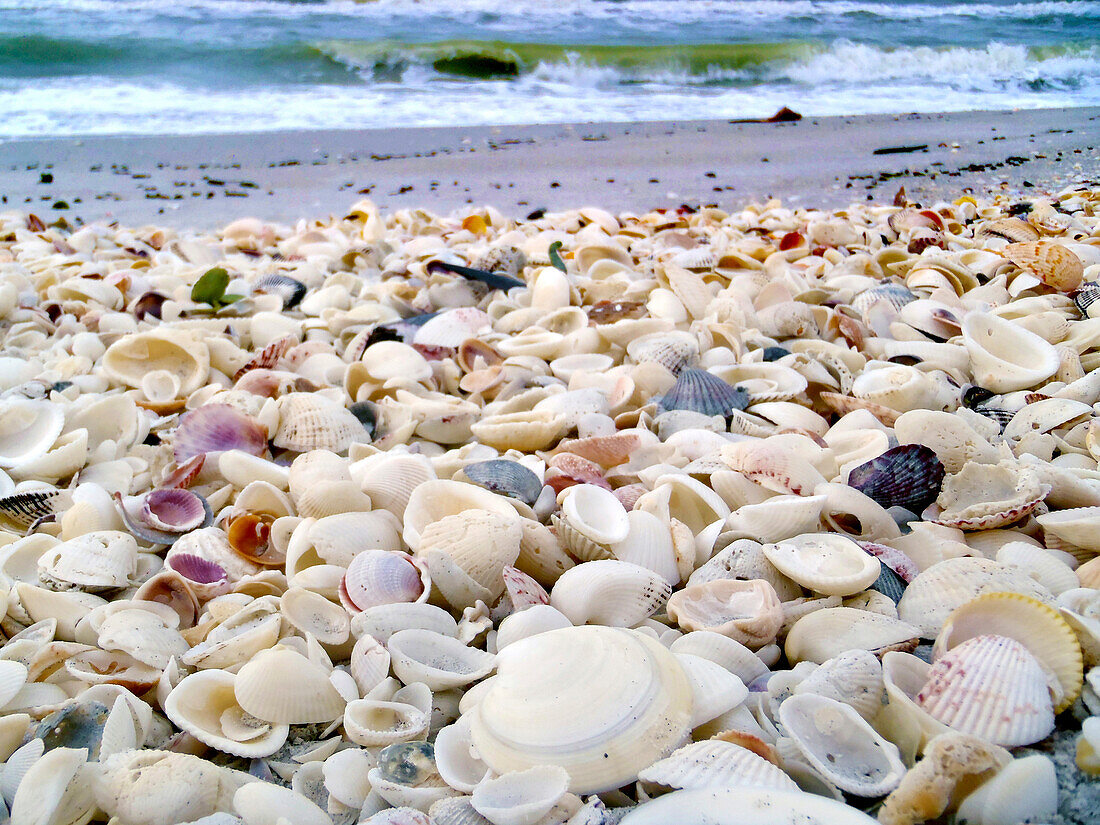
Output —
<point x="201" y="182"/>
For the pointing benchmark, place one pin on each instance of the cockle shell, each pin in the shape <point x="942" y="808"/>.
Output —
<point x="703" y="392"/>
<point x="441" y="662"/>
<point x="101" y="560"/>
<point x="986" y="496"/>
<point x="1004" y="356"/>
<point x="1078" y="526"/>
<point x="992" y="688"/>
<point x="311" y="422"/>
<point x="436" y="499"/>
<point x="745" y="806"/>
<point x="376" y="722"/>
<point x="747" y="611"/>
<point x="908" y="476"/>
<point x="825" y="563"/>
<point x="377" y="577"/>
<point x="609" y="592"/>
<point x="481" y="543"/>
<point x="591" y="520"/>
<point x="204" y="705"/>
<point x="520" y="797"/>
<point x="27" y="429"/>
<point x="1054" y="265"/>
<point x="824" y="634"/>
<point x="56" y="788"/>
<point x="633" y="707"/>
<point x="854" y="678"/>
<point x="714" y="762"/>
<point x="837" y="741"/>
<point x="308" y="697"/>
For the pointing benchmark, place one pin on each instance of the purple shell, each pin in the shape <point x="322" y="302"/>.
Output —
<point x="214" y="428"/>
<point x="703" y="392"/>
<point x="905" y="568"/>
<point x="197" y="569"/>
<point x="184" y="473"/>
<point x="173" y="510"/>
<point x="132" y="510"/>
<point x="908" y="476"/>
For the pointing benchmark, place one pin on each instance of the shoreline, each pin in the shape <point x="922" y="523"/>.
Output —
<point x="201" y="182"/>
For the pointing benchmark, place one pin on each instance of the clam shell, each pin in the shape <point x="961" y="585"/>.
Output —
<point x="837" y="741"/>
<point x="826" y="563"/>
<point x="1077" y="526"/>
<point x="713" y="762"/>
<point x="378" y="577"/>
<point x="373" y="722"/>
<point x="308" y="697"/>
<point x="523" y="431"/>
<point x="509" y="478"/>
<point x="27" y="430"/>
<point x="703" y="392"/>
<point x="747" y="611"/>
<point x="204" y="705"/>
<point x="441" y="662"/>
<point x="908" y="476"/>
<point x="520" y="797"/>
<point x="990" y="687"/>
<point x="824" y="634"/>
<point x="1004" y="356"/>
<point x="608" y="592"/>
<point x="383" y="621"/>
<point x="214" y="428"/>
<point x="745" y="806"/>
<point x="133" y="356"/>
<point x="633" y="707"/>
<point x="101" y="560"/>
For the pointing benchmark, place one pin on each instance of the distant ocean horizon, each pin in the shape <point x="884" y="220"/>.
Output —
<point x="72" y="67"/>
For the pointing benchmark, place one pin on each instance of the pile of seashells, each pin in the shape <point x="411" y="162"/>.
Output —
<point x="685" y="516"/>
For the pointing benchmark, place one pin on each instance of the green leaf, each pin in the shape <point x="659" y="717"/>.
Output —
<point x="228" y="299"/>
<point x="555" y="258"/>
<point x="211" y="286"/>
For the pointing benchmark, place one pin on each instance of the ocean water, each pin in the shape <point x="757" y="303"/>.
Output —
<point x="204" y="66"/>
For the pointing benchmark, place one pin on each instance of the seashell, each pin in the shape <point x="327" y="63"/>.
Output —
<point x="173" y="510"/>
<point x="1054" y="265"/>
<point x="215" y="428"/>
<point x="97" y="561"/>
<point x="523" y="431"/>
<point x="908" y="476"/>
<point x="592" y="519"/>
<point x="538" y="619"/>
<point x="132" y="357"/>
<point x="985" y="496"/>
<point x="703" y="392"/>
<point x="772" y="467"/>
<point x="264" y="803"/>
<point x="825" y="634"/>
<point x="990" y="687"/>
<point x="56" y="788"/>
<point x="853" y="677"/>
<point x="308" y="697"/>
<point x="1026" y="790"/>
<point x="936" y="592"/>
<point x="826" y="563"/>
<point x="1037" y="626"/>
<point x="744" y="806"/>
<point x="639" y="712"/>
<point x="508" y="478"/>
<point x="25" y="509"/>
<point x="456" y="761"/>
<point x="205" y="578"/>
<point x="383" y="621"/>
<point x="521" y="591"/>
<point x="520" y="797"/>
<point x="1005" y="357"/>
<point x="311" y="422"/>
<point x="746" y="611"/>
<point x="479" y="542"/>
<point x="648" y="544"/>
<point x="441" y="662"/>
<point x="451" y="327"/>
<point x="377" y="577"/>
<point x="373" y="722"/>
<point x="249" y="537"/>
<point x="313" y="614"/>
<point x="609" y="592"/>
<point x="715" y="763"/>
<point x="1076" y="526"/>
<point x="147" y="637"/>
<point x="27" y="430"/>
<point x="434" y="500"/>
<point x="776" y="518"/>
<point x="1043" y="565"/>
<point x="204" y="705"/>
<point x="841" y="746"/>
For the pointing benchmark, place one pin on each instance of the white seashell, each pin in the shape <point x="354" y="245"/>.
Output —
<point x="373" y="722"/>
<point x="777" y="518"/>
<point x="592" y="519"/>
<point x="389" y="480"/>
<point x="369" y="663"/>
<point x="183" y="355"/>
<point x="314" y="614"/>
<point x="853" y="677"/>
<point x="383" y="621"/>
<point x="434" y="500"/>
<point x="1042" y="564"/>
<point x="100" y="560"/>
<point x="204" y="705"/>
<point x="1025" y="790"/>
<point x="481" y="543"/>
<point x="1004" y="356"/>
<point x="538" y="618"/>
<point x="824" y="634"/>
<point x="345" y="774"/>
<point x="745" y="806"/>
<point x="714" y="689"/>
<point x="747" y="611"/>
<point x="520" y="797"/>
<point x="308" y="697"/>
<point x="992" y="688"/>
<point x="722" y="650"/>
<point x="264" y="803"/>
<point x="826" y="563"/>
<point x="154" y="787"/>
<point x="837" y="741"/>
<point x="441" y="662"/>
<point x="715" y="763"/>
<point x="544" y="715"/>
<point x="456" y="759"/>
<point x="378" y="577"/>
<point x="608" y="592"/>
<point x="56" y="788"/>
<point x="308" y="421"/>
<point x="27" y="430"/>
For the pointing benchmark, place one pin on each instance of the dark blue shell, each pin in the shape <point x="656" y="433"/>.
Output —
<point x="509" y="478"/>
<point x="890" y="584"/>
<point x="908" y="476"/>
<point x="703" y="392"/>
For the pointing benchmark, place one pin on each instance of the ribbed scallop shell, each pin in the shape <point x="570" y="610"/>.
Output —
<point x="311" y="422"/>
<point x="27" y="429"/>
<point x="673" y="350"/>
<point x="1079" y="526"/>
<point x="931" y="596"/>
<point x="703" y="392"/>
<point x="1037" y="626"/>
<point x="203" y="704"/>
<point x="436" y="499"/>
<point x="172" y="510"/>
<point x="714" y="762"/>
<point x="632" y="707"/>
<point x="854" y="678"/>
<point x="990" y="687"/>
<point x="214" y="428"/>
<point x="591" y="520"/>
<point x="480" y="542"/>
<point x="609" y="592"/>
<point x="283" y="687"/>
<point x="389" y="480"/>
<point x="908" y="476"/>
<point x="825" y="563"/>
<point x="1042" y="564"/>
<point x="1051" y="263"/>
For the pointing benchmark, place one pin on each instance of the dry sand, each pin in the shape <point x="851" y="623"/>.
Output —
<point x="204" y="181"/>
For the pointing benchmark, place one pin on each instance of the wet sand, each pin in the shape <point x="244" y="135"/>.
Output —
<point x="201" y="182"/>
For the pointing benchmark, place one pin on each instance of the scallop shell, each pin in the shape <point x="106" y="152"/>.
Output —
<point x="908" y="476"/>
<point x="389" y="480"/>
<point x="824" y="562"/>
<point x="825" y="634"/>
<point x="609" y="592"/>
<point x="308" y="697"/>
<point x="703" y="392"/>
<point x="1042" y="564"/>
<point x="990" y="687"/>
<point x="1004" y="356"/>
<point x="1037" y="626"/>
<point x="27" y="430"/>
<point x="714" y="762"/>
<point x="1053" y="264"/>
<point x="632" y="707"/>
<point x="373" y="722"/>
<point x="204" y="705"/>
<point x="436" y="499"/>
<point x="936" y="592"/>
<point x="747" y="611"/>
<point x="311" y="422"/>
<point x="673" y="350"/>
<point x="837" y="741"/>
<point x="479" y="542"/>
<point x="215" y="428"/>
<point x="377" y="577"/>
<point x="745" y="806"/>
<point x="854" y="678"/>
<point x="592" y="519"/>
<point x="1078" y="526"/>
<point x="985" y="496"/>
